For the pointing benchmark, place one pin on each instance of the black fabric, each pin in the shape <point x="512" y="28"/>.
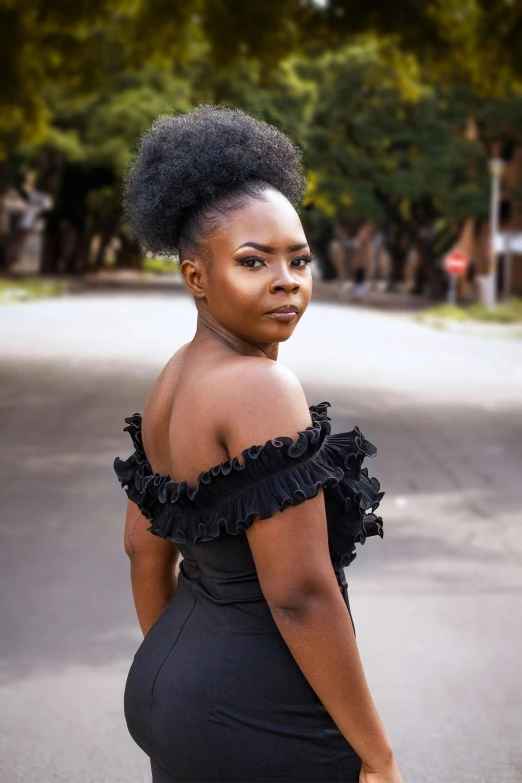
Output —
<point x="283" y="472"/>
<point x="214" y="693"/>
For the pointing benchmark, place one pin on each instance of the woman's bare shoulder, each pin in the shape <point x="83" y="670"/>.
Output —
<point x="261" y="399"/>
<point x="163" y="387"/>
<point x="242" y="370"/>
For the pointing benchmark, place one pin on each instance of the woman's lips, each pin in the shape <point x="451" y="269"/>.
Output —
<point x="283" y="316"/>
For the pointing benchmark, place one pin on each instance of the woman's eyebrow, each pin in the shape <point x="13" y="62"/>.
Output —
<point x="267" y="249"/>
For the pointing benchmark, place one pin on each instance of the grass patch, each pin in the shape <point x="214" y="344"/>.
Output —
<point x="161" y="266"/>
<point x="28" y="289"/>
<point x="508" y="313"/>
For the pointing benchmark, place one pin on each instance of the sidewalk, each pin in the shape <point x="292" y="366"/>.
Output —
<point x="126" y="280"/>
<point x="337" y="291"/>
<point x="396" y="303"/>
<point x="323" y="290"/>
<point x="333" y="291"/>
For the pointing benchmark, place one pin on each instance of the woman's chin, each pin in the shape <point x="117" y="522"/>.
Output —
<point x="279" y="333"/>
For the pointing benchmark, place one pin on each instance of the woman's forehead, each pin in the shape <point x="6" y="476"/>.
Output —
<point x="271" y="221"/>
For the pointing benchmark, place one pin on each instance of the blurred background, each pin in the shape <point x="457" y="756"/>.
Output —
<point x="409" y="116"/>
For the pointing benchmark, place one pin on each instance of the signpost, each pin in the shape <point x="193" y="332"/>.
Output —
<point x="496" y="167"/>
<point x="455" y="265"/>
<point x="507" y="243"/>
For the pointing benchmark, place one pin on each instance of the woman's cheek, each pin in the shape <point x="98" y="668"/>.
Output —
<point x="247" y="286"/>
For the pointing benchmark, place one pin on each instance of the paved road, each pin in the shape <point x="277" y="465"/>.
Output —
<point x="437" y="604"/>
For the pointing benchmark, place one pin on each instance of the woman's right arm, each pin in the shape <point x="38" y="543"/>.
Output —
<point x="300" y="587"/>
<point x="292" y="559"/>
<point x="153" y="567"/>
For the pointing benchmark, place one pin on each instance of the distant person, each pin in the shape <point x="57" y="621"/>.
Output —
<point x="249" y="670"/>
<point x="337" y="256"/>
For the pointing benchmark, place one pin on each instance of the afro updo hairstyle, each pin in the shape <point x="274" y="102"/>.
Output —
<point x="191" y="168"/>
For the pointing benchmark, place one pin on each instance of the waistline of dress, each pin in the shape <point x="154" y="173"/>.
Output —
<point x="229" y="590"/>
<point x="224" y="589"/>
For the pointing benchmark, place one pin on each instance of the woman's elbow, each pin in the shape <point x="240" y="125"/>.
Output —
<point x="298" y="602"/>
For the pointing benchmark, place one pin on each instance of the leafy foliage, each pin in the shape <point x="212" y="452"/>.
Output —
<point x="82" y="45"/>
<point x="380" y="97"/>
<point x="103" y="128"/>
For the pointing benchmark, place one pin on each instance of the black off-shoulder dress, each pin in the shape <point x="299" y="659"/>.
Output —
<point x="213" y="693"/>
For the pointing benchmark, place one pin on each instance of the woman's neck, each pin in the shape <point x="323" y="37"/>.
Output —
<point x="209" y="330"/>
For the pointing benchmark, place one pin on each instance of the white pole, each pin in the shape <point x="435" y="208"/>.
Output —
<point x="496" y="166"/>
<point x="495" y="182"/>
<point x="508" y="265"/>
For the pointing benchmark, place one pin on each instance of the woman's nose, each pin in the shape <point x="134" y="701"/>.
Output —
<point x="285" y="280"/>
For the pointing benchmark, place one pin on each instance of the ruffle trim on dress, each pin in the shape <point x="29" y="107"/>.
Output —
<point x="283" y="472"/>
<point x="351" y="503"/>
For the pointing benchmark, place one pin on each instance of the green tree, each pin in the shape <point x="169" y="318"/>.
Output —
<point x="83" y="44"/>
<point x="85" y="152"/>
<point x="382" y="144"/>
<point x="66" y="63"/>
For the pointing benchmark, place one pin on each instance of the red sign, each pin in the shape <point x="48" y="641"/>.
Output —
<point x="456" y="263"/>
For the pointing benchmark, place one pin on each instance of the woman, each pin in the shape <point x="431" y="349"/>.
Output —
<point x="249" y="670"/>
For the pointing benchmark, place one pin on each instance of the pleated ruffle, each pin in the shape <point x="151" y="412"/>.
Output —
<point x="268" y="478"/>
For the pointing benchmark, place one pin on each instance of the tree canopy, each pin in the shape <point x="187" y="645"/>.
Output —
<point x="83" y="44"/>
<point x="379" y="96"/>
<point x="387" y="146"/>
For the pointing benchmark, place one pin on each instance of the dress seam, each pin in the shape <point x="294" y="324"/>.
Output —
<point x="175" y="641"/>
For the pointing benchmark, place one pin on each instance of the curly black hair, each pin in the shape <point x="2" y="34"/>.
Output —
<point x="192" y="167"/>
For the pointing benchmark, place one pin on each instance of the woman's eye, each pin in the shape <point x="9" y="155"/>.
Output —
<point x="302" y="260"/>
<point x="252" y="263"/>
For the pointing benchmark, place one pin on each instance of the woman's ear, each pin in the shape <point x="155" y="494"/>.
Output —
<point x="193" y="270"/>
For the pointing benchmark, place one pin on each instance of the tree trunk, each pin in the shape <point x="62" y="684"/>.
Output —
<point x="106" y="232"/>
<point x="99" y="259"/>
<point x="129" y="255"/>
<point x="430" y="279"/>
<point x="398" y="244"/>
<point x="398" y="263"/>
<point x="4" y="227"/>
<point x="65" y="247"/>
<point x="50" y="245"/>
<point x="79" y="258"/>
<point x="70" y="224"/>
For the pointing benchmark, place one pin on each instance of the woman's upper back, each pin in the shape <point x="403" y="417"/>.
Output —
<point x="179" y="431"/>
<point x="207" y="400"/>
<point x="220" y="445"/>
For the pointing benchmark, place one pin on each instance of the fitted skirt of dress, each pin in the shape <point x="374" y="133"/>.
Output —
<point x="214" y="693"/>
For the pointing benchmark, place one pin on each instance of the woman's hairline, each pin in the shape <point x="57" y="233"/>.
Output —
<point x="220" y="207"/>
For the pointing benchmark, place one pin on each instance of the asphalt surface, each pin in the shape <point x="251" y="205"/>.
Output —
<point x="437" y="604"/>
